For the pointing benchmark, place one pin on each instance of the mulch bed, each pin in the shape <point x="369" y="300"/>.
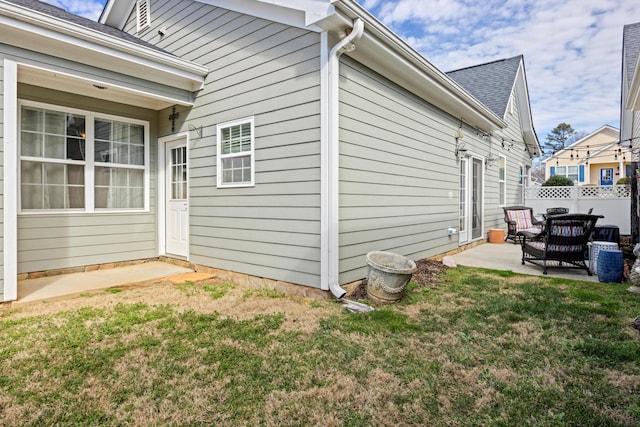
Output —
<point x="426" y="276"/>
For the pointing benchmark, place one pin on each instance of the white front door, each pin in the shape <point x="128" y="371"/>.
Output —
<point x="177" y="201"/>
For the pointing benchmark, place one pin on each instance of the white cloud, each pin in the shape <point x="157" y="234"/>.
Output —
<point x="88" y="8"/>
<point x="572" y="48"/>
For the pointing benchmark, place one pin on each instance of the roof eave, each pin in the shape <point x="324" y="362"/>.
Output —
<point x="36" y="31"/>
<point x="522" y="91"/>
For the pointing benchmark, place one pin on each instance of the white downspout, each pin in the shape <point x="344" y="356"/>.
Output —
<point x="332" y="199"/>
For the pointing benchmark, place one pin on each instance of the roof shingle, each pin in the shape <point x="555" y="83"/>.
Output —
<point x="63" y="15"/>
<point x="631" y="48"/>
<point x="490" y="83"/>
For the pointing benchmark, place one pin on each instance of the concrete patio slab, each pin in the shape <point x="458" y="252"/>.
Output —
<point x="65" y="285"/>
<point x="508" y="256"/>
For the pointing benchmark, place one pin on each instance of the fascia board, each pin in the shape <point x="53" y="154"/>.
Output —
<point x="116" y="13"/>
<point x="39" y="32"/>
<point x="296" y="13"/>
<point x="524" y="106"/>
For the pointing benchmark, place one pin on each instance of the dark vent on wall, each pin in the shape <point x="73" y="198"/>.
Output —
<point x="143" y="14"/>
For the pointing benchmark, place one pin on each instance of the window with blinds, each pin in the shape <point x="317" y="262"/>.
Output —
<point x="235" y="148"/>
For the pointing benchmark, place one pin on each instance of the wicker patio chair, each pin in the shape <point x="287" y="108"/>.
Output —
<point x="557" y="211"/>
<point x="520" y="218"/>
<point x="563" y="241"/>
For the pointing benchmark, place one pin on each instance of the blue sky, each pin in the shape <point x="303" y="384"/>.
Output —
<point x="572" y="48"/>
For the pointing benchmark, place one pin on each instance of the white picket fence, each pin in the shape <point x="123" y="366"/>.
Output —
<point x="612" y="201"/>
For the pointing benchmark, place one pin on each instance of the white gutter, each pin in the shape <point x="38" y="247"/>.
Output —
<point x="333" y="150"/>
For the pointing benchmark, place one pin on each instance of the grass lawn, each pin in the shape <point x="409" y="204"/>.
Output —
<point x="481" y="348"/>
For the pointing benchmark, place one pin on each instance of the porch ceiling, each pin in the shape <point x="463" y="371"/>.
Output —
<point x="97" y="88"/>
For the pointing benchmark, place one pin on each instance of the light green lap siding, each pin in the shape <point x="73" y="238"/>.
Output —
<point x="399" y="178"/>
<point x="55" y="241"/>
<point x="398" y="174"/>
<point x="268" y="71"/>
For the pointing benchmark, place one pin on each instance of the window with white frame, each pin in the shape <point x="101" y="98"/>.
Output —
<point x="80" y="160"/>
<point x="571" y="172"/>
<point x="235" y="149"/>
<point x="502" y="181"/>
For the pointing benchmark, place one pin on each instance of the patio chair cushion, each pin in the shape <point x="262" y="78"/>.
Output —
<point x="541" y="246"/>
<point x="522" y="218"/>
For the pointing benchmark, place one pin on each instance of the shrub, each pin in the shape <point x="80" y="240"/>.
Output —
<point x="624" y="181"/>
<point x="558" y="181"/>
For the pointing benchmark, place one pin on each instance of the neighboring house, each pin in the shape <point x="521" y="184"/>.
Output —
<point x="598" y="159"/>
<point x="630" y="111"/>
<point x="280" y="140"/>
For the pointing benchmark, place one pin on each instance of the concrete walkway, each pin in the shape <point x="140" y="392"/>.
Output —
<point x="504" y="256"/>
<point x="65" y="285"/>
<point x="507" y="256"/>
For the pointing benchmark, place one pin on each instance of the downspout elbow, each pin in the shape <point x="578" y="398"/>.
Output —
<point x="347" y="44"/>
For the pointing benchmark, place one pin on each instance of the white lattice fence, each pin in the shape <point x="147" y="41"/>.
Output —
<point x="605" y="191"/>
<point x="591" y="192"/>
<point x="550" y="193"/>
<point x="611" y="201"/>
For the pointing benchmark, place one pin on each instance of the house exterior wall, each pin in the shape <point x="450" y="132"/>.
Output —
<point x="399" y="187"/>
<point x="62" y="240"/>
<point x="270" y="72"/>
<point x="513" y="150"/>
<point x="393" y="195"/>
<point x="509" y="143"/>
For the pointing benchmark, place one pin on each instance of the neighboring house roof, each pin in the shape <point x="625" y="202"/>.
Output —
<point x="379" y="49"/>
<point x="612" y="138"/>
<point x="493" y="83"/>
